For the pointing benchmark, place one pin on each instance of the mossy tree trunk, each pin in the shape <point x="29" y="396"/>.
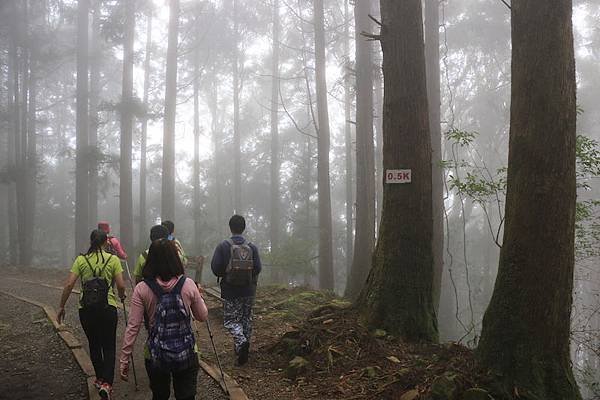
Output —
<point x="398" y="293"/>
<point x="525" y="334"/>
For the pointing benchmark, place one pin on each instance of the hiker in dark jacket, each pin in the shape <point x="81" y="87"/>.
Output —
<point x="237" y="263"/>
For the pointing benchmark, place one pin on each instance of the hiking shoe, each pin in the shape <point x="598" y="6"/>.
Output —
<point x="98" y="383"/>
<point x="105" y="391"/>
<point x="243" y="353"/>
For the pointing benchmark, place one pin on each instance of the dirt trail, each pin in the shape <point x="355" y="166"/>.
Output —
<point x="208" y="389"/>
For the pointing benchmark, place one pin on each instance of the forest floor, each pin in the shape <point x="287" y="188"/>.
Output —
<point x="306" y="345"/>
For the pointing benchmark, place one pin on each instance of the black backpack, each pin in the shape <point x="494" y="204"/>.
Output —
<point x="95" y="289"/>
<point x="240" y="270"/>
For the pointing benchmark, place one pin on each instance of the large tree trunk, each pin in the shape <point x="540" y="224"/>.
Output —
<point x="125" y="173"/>
<point x="365" y="168"/>
<point x="30" y="166"/>
<point x="348" y="144"/>
<point x="168" y="172"/>
<point x="82" y="150"/>
<point x="143" y="234"/>
<point x="378" y="124"/>
<point x="398" y="293"/>
<point x="275" y="222"/>
<point x="323" y="181"/>
<point x="237" y="162"/>
<point x="432" y="62"/>
<point x="525" y="332"/>
<point x="95" y="59"/>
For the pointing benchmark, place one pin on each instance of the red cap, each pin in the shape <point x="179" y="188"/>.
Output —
<point x="104" y="226"/>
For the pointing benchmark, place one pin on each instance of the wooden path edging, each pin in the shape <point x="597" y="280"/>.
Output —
<point x="73" y="344"/>
<point x="234" y="390"/>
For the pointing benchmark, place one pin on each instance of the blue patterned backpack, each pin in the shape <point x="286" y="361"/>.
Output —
<point x="171" y="341"/>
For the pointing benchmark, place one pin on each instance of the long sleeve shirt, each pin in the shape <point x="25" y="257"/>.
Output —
<point x="114" y="242"/>
<point x="143" y="299"/>
<point x="219" y="264"/>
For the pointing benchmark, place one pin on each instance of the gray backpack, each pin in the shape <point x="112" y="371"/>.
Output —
<point x="240" y="270"/>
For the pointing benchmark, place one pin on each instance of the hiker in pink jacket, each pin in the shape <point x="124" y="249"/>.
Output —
<point x="113" y="246"/>
<point x="160" y="296"/>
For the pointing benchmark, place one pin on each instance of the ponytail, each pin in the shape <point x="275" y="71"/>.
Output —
<point x="97" y="239"/>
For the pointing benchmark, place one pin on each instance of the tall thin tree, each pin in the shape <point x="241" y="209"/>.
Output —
<point x="13" y="79"/>
<point x="168" y="172"/>
<point x="348" y="142"/>
<point x="94" y="117"/>
<point x="144" y="134"/>
<point x="326" y="280"/>
<point x="125" y="173"/>
<point x="525" y="331"/>
<point x="398" y="296"/>
<point x="365" y="168"/>
<point x="196" y="176"/>
<point x="237" y="154"/>
<point x="274" y="229"/>
<point x="82" y="128"/>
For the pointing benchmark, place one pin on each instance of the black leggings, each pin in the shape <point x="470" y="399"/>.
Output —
<point x="100" y="327"/>
<point x="184" y="382"/>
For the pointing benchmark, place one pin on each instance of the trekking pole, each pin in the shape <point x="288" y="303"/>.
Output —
<point x="210" y="334"/>
<point x="131" y="355"/>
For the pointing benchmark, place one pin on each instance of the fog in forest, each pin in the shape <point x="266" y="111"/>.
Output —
<point x="133" y="112"/>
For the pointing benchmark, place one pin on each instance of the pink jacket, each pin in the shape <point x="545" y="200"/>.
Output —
<point x="144" y="299"/>
<point x="118" y="248"/>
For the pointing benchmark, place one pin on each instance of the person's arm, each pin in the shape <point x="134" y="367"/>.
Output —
<point x="118" y="248"/>
<point x="197" y="305"/>
<point x="68" y="288"/>
<point x="257" y="263"/>
<point x="136" y="317"/>
<point x="120" y="282"/>
<point x="217" y="264"/>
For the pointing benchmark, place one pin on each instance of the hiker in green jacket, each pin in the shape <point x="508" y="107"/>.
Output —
<point x="171" y="227"/>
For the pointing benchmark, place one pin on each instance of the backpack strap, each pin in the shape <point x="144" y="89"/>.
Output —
<point x="179" y="285"/>
<point x="155" y="287"/>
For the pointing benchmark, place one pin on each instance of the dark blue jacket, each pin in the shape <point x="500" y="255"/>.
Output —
<point x="220" y="261"/>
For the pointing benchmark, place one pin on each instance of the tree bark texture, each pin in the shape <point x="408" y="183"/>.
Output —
<point x="82" y="229"/>
<point x="398" y="293"/>
<point x="196" y="177"/>
<point x="275" y="222"/>
<point x="237" y="153"/>
<point x="13" y="135"/>
<point x="323" y="181"/>
<point x="364" y="241"/>
<point x="349" y="183"/>
<point x="525" y="332"/>
<point x="432" y="62"/>
<point x="126" y="173"/>
<point x="95" y="59"/>
<point x="168" y="173"/>
<point x="143" y="234"/>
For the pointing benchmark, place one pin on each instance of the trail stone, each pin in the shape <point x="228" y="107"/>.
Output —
<point x="410" y="395"/>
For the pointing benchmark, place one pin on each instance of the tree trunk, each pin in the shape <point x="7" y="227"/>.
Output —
<point x="143" y="234"/>
<point x="95" y="59"/>
<point x="348" y="144"/>
<point x="378" y="123"/>
<point x="398" y="293"/>
<point x="323" y="182"/>
<point x="214" y="120"/>
<point x="275" y="231"/>
<point x="365" y="168"/>
<point x="82" y="126"/>
<point x="196" y="176"/>
<point x="168" y="172"/>
<point x="125" y="173"/>
<point x="30" y="167"/>
<point x="237" y="162"/>
<point x="432" y="62"/>
<point x="525" y="331"/>
<point x="13" y="135"/>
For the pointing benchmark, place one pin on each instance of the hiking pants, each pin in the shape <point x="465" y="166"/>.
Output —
<point x="237" y="319"/>
<point x="184" y="382"/>
<point x="100" y="327"/>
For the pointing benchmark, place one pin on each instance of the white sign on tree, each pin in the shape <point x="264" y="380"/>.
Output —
<point x="398" y="176"/>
